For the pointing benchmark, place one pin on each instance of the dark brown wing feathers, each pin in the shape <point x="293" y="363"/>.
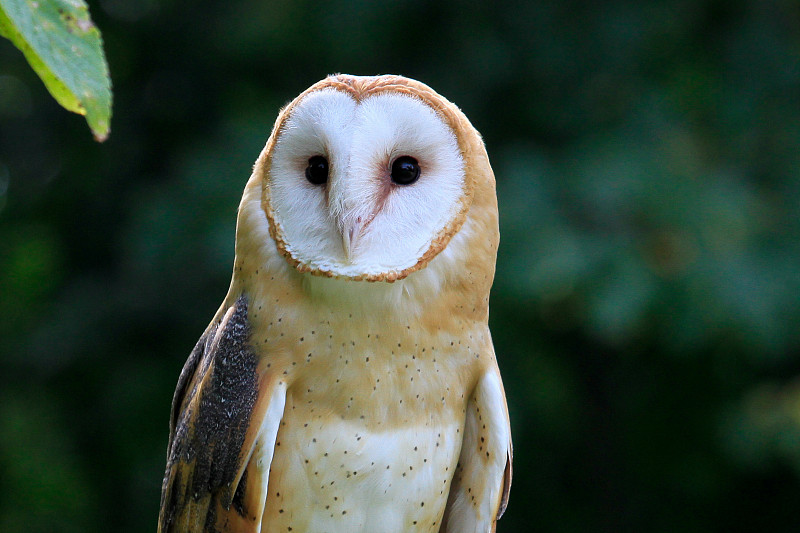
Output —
<point x="211" y="414"/>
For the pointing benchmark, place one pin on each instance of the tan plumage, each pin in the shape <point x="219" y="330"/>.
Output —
<point x="348" y="381"/>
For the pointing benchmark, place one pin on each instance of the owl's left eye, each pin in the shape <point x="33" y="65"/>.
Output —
<point x="405" y="170"/>
<point x="317" y="170"/>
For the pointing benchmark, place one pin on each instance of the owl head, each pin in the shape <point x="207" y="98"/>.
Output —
<point x="372" y="179"/>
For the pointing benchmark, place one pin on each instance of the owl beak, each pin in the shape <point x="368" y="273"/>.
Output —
<point x="351" y="234"/>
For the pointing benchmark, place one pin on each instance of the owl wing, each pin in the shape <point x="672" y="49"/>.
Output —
<point x="224" y="421"/>
<point x="482" y="480"/>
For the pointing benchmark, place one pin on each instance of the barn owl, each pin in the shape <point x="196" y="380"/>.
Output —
<point x="348" y="382"/>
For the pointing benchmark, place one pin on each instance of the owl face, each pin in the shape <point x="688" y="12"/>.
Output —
<point x="363" y="184"/>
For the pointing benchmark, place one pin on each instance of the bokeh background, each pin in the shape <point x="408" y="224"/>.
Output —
<point x="647" y="302"/>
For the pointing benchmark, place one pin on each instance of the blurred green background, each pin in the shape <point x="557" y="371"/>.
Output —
<point x="647" y="300"/>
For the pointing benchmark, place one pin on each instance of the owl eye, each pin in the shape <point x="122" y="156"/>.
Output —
<point x="405" y="170"/>
<point x="317" y="170"/>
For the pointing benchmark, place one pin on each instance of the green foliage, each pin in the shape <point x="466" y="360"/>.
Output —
<point x="38" y="463"/>
<point x="646" y="302"/>
<point x="64" y="47"/>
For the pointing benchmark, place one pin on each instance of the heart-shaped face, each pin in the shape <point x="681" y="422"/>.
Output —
<point x="364" y="182"/>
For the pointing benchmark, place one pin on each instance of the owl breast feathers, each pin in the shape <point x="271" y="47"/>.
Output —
<point x="348" y="381"/>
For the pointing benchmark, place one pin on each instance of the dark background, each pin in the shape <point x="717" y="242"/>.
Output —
<point x="646" y="306"/>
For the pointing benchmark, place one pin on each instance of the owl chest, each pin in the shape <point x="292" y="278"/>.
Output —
<point x="369" y="440"/>
<point x="338" y="475"/>
<point x="377" y="372"/>
<point x="378" y="386"/>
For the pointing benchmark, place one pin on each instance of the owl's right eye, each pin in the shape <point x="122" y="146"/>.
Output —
<point x="317" y="170"/>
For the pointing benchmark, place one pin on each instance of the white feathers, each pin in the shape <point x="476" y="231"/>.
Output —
<point x="359" y="222"/>
<point x="408" y="296"/>
<point x="478" y="486"/>
<point x="301" y="208"/>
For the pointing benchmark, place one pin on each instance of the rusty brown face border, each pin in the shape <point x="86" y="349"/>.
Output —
<point x="359" y="88"/>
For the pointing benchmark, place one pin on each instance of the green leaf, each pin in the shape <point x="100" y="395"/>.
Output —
<point x="64" y="47"/>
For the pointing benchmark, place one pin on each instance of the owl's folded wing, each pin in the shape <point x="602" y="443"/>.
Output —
<point x="224" y="421"/>
<point x="481" y="483"/>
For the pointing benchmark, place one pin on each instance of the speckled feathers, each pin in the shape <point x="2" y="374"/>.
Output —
<point x="348" y="381"/>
